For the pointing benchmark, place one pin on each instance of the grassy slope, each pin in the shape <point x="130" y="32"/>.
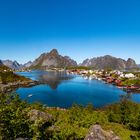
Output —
<point x="7" y="76"/>
<point x="78" y="121"/>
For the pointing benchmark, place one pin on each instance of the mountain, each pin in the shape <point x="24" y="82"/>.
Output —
<point x="1" y="63"/>
<point x="108" y="61"/>
<point x="27" y="65"/>
<point x="53" y="59"/>
<point x="12" y="64"/>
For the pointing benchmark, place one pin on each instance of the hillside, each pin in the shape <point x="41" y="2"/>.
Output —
<point x="10" y="81"/>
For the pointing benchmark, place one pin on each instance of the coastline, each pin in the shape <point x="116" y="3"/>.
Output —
<point x="12" y="86"/>
<point x="106" y="79"/>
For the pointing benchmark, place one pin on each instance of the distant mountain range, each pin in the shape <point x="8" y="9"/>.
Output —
<point x="12" y="64"/>
<point x="53" y="59"/>
<point x="27" y="65"/>
<point x="110" y="62"/>
<point x="15" y="65"/>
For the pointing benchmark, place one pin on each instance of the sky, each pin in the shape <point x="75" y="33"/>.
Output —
<point x="78" y="28"/>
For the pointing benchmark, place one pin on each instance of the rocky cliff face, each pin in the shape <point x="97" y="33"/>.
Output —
<point x="110" y="62"/>
<point x="53" y="59"/>
<point x="12" y="64"/>
<point x="130" y="64"/>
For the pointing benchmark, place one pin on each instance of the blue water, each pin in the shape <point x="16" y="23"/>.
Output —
<point x="62" y="90"/>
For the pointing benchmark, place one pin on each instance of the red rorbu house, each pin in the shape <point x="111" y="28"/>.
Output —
<point x="118" y="82"/>
<point x="109" y="79"/>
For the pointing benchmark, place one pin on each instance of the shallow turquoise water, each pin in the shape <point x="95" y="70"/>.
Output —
<point x="62" y="90"/>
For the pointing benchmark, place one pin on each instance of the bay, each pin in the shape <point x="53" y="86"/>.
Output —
<point x="58" y="89"/>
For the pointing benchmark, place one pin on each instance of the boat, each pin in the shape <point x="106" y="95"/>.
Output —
<point x="30" y="95"/>
<point x="90" y="78"/>
<point x="86" y="78"/>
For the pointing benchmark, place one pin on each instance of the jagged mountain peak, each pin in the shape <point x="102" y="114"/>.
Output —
<point x="53" y="59"/>
<point x="54" y="52"/>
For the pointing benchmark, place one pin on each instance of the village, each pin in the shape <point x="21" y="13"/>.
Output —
<point x="127" y="81"/>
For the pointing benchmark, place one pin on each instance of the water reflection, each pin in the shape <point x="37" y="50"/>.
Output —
<point x="72" y="89"/>
<point x="53" y="79"/>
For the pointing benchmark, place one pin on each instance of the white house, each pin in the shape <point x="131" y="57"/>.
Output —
<point x="129" y="75"/>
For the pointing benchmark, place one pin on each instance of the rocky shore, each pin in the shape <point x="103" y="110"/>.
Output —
<point x="12" y="86"/>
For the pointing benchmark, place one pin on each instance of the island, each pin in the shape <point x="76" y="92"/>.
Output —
<point x="9" y="80"/>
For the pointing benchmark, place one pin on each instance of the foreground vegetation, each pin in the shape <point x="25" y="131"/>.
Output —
<point x="15" y="121"/>
<point x="8" y="76"/>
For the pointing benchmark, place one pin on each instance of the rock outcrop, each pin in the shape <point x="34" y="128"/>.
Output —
<point x="97" y="133"/>
<point x="130" y="64"/>
<point x="53" y="59"/>
<point x="23" y="139"/>
<point x="110" y="62"/>
<point x="35" y="115"/>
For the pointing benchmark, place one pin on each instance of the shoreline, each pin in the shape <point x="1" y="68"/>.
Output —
<point x="126" y="88"/>
<point x="13" y="86"/>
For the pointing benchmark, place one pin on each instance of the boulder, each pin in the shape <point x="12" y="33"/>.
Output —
<point x="36" y="115"/>
<point x="97" y="133"/>
<point x="22" y="139"/>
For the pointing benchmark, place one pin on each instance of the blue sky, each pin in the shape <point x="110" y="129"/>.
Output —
<point x="78" y="28"/>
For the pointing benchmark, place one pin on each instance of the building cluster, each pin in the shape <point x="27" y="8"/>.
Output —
<point x="114" y="77"/>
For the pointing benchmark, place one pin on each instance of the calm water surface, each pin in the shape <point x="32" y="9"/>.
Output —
<point x="61" y="90"/>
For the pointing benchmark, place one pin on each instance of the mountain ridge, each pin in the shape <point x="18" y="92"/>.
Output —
<point x="109" y="61"/>
<point x="54" y="59"/>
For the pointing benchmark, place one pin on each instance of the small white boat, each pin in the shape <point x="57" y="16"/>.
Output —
<point x="90" y="78"/>
<point x="30" y="95"/>
<point x="86" y="78"/>
<point x="99" y="79"/>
